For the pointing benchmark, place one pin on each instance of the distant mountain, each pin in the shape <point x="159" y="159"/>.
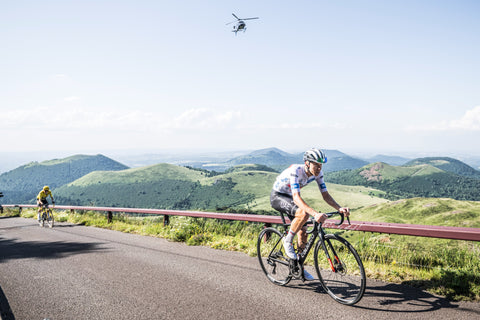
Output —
<point x="391" y="160"/>
<point x="473" y="162"/>
<point x="410" y="181"/>
<point x="279" y="160"/>
<point x="23" y="183"/>
<point x="250" y="167"/>
<point x="272" y="157"/>
<point x="447" y="164"/>
<point x="343" y="163"/>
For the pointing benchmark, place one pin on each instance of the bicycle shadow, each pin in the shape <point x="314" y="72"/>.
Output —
<point x="12" y="249"/>
<point x="7" y="217"/>
<point x="390" y="297"/>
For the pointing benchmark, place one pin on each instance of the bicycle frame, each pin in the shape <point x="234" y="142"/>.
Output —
<point x="337" y="263"/>
<point x="44" y="209"/>
<point x="46" y="214"/>
<point x="316" y="232"/>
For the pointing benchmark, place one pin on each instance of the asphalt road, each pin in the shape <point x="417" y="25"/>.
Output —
<point x="78" y="272"/>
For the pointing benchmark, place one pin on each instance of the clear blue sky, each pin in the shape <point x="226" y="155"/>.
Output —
<point x="357" y="76"/>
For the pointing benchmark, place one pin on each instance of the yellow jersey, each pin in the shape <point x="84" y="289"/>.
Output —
<point x="42" y="195"/>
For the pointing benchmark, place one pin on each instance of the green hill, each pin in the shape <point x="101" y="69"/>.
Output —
<point x="447" y="164"/>
<point x="410" y="181"/>
<point x="23" y="183"/>
<point x="424" y="211"/>
<point x="165" y="186"/>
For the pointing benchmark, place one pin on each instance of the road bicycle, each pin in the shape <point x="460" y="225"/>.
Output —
<point x="337" y="263"/>
<point x="46" y="215"/>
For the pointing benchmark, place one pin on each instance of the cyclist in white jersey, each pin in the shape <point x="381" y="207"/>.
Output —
<point x="286" y="198"/>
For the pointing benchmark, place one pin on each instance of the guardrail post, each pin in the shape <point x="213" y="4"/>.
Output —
<point x="72" y="211"/>
<point x="166" y="220"/>
<point x="109" y="216"/>
<point x="1" y="209"/>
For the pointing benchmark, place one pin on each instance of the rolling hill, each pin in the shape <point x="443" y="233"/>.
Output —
<point x="447" y="164"/>
<point x="163" y="186"/>
<point x="100" y="181"/>
<point x="422" y="180"/>
<point x="22" y="184"/>
<point x="426" y="211"/>
<point x="245" y="188"/>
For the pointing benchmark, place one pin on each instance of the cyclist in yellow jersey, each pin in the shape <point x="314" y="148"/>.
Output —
<point x="42" y="199"/>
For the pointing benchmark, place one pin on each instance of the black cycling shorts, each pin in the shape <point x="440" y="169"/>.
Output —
<point x="283" y="202"/>
<point x="42" y="202"/>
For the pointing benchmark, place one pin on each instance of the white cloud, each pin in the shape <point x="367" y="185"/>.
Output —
<point x="204" y="118"/>
<point x="72" y="98"/>
<point x="470" y="121"/>
<point x="297" y="125"/>
<point x="135" y="120"/>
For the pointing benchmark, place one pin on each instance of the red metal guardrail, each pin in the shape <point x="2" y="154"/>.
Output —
<point x="456" y="233"/>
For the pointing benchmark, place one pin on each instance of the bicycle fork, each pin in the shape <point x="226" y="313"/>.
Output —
<point x="335" y="265"/>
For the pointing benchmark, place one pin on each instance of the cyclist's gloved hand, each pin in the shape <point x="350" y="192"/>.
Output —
<point x="320" y="217"/>
<point x="345" y="211"/>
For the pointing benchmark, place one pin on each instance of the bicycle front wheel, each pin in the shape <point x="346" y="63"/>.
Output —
<point x="272" y="257"/>
<point x="340" y="269"/>
<point x="42" y="219"/>
<point x="50" y="219"/>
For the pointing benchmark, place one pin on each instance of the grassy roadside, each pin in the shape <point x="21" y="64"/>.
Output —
<point x="448" y="268"/>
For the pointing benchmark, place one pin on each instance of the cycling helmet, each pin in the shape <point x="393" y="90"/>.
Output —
<point x="315" y="155"/>
<point x="46" y="188"/>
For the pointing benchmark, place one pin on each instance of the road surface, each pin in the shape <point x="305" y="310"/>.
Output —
<point x="78" y="272"/>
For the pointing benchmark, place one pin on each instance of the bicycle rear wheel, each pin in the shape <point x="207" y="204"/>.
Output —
<point x="340" y="269"/>
<point x="50" y="219"/>
<point x="272" y="257"/>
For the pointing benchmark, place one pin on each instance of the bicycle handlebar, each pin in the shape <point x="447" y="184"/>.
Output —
<point x="330" y="214"/>
<point x="342" y="217"/>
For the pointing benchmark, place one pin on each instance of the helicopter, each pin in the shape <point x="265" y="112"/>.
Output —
<point x="240" y="23"/>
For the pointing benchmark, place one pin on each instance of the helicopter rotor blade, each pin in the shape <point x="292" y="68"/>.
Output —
<point x="230" y="22"/>
<point x="235" y="16"/>
<point x="250" y="18"/>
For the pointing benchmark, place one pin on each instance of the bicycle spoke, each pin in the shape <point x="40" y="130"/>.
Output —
<point x="340" y="271"/>
<point x="272" y="257"/>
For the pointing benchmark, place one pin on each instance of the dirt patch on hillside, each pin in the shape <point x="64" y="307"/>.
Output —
<point x="373" y="173"/>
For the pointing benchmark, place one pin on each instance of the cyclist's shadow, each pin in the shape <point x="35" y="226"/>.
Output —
<point x="390" y="297"/>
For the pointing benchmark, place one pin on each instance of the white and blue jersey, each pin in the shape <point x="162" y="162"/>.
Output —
<point x="294" y="178"/>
